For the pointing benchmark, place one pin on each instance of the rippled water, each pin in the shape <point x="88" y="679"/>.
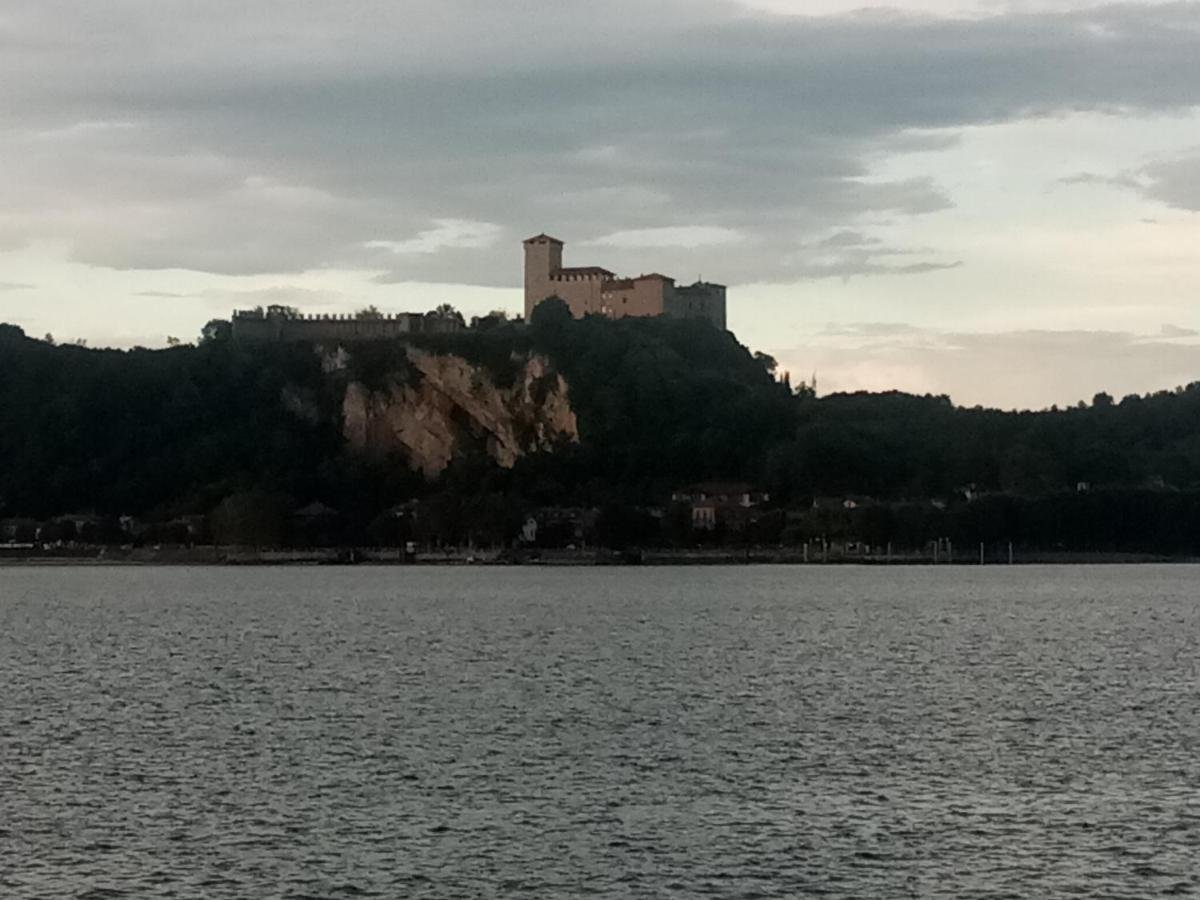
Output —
<point x="767" y="732"/>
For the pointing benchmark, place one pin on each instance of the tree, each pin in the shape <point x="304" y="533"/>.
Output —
<point x="767" y="361"/>
<point x="57" y="531"/>
<point x="391" y="528"/>
<point x="369" y="312"/>
<point x="216" y="331"/>
<point x="619" y="526"/>
<point x="24" y="532"/>
<point x="806" y="391"/>
<point x="447" y="312"/>
<point x="550" y="318"/>
<point x="253" y="518"/>
<point x="492" y="320"/>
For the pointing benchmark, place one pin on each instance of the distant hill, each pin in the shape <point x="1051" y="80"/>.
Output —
<point x="656" y="404"/>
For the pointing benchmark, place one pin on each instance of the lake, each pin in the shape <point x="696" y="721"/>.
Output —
<point x="846" y="732"/>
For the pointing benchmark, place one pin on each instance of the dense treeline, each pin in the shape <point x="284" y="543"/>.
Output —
<point x="895" y="445"/>
<point x="161" y="432"/>
<point x="660" y="402"/>
<point x="1098" y="521"/>
<point x="230" y="431"/>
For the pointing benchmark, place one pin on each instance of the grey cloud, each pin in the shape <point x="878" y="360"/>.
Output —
<point x="1174" y="331"/>
<point x="857" y="267"/>
<point x="1173" y="181"/>
<point x="871" y="330"/>
<point x="161" y="295"/>
<point x="16" y="286"/>
<point x="273" y="137"/>
<point x="848" y="239"/>
<point x="281" y="295"/>
<point x="1089" y="178"/>
<point x="849" y="254"/>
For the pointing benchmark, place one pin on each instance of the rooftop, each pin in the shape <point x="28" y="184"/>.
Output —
<point x="581" y="270"/>
<point x="543" y="238"/>
<point x="719" y="488"/>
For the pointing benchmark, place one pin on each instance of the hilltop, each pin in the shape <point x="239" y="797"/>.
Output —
<point x="466" y="436"/>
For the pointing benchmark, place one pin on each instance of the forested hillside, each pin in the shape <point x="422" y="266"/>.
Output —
<point x="158" y="434"/>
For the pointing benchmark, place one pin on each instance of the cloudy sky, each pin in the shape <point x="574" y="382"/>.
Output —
<point x="1000" y="201"/>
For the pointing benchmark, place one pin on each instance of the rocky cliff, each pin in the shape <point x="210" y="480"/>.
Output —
<point x="451" y="402"/>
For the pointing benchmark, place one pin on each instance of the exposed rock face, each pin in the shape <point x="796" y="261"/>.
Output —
<point x="455" y="401"/>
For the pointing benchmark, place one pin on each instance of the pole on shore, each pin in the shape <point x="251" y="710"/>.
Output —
<point x="981" y="553"/>
<point x="1010" y="553"/>
<point x="936" y="544"/>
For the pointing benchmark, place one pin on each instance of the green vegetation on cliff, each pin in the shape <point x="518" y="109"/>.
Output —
<point x="224" y="430"/>
<point x="161" y="432"/>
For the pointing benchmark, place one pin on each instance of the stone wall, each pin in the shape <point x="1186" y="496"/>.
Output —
<point x="643" y="296"/>
<point x="698" y="301"/>
<point x="543" y="257"/>
<point x="272" y="328"/>
<point x="584" y="294"/>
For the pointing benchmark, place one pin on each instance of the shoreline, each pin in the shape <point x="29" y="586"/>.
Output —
<point x="373" y="557"/>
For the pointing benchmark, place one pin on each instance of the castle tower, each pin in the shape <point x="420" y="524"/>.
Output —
<point x="543" y="258"/>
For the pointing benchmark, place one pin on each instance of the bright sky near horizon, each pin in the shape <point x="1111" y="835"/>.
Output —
<point x="999" y="201"/>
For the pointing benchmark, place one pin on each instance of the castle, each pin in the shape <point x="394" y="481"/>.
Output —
<point x="591" y="290"/>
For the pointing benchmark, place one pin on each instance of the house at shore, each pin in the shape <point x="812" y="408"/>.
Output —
<point x="716" y="504"/>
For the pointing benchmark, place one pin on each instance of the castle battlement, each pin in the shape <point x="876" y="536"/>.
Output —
<point x="257" y="315"/>
<point x="278" y="324"/>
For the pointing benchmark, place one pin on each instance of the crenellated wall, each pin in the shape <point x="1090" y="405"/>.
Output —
<point x="270" y="327"/>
